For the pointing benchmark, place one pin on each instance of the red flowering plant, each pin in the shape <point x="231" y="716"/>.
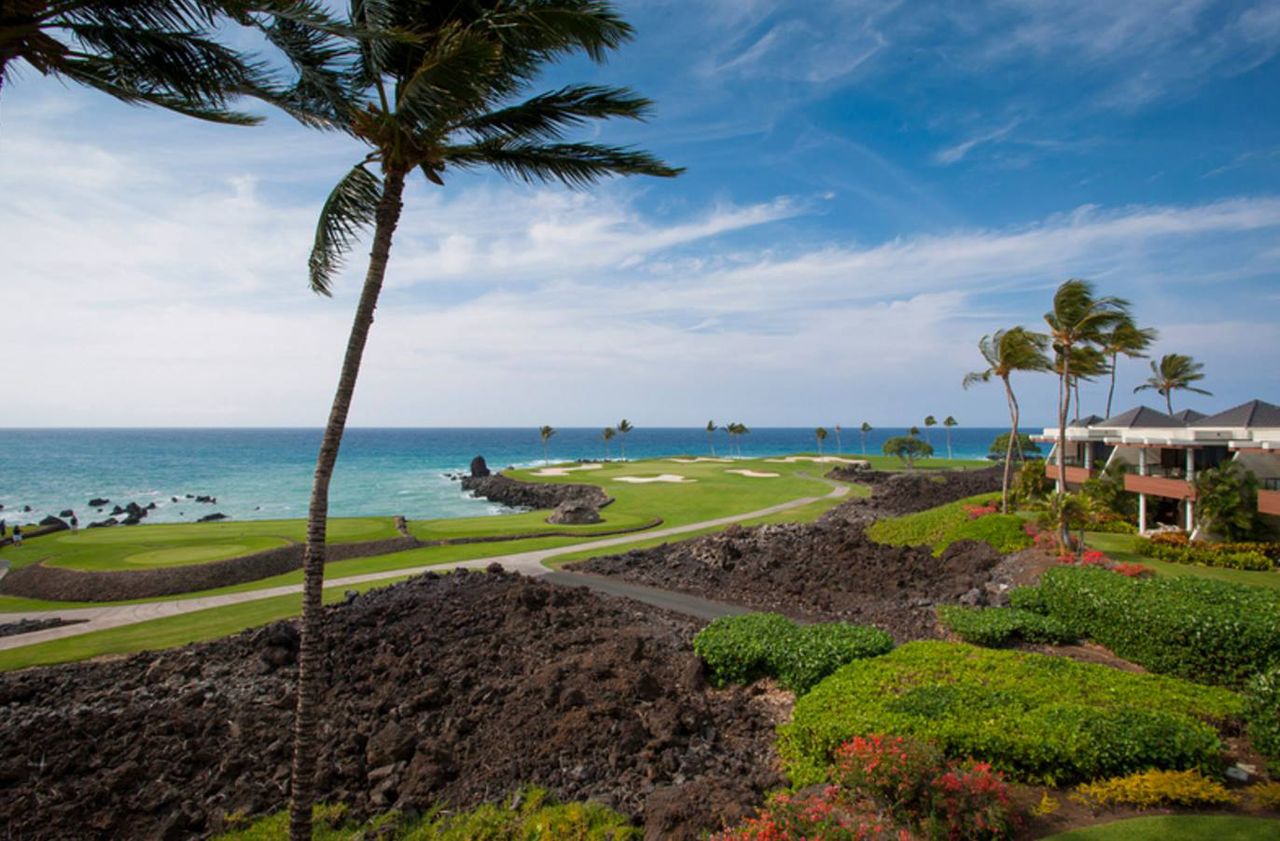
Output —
<point x="1095" y="558"/>
<point x="893" y="771"/>
<point x="817" y="817"/>
<point x="970" y="803"/>
<point x="1131" y="570"/>
<point x="976" y="511"/>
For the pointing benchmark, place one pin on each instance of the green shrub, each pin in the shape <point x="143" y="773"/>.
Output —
<point x="1033" y="716"/>
<point x="1252" y="556"/>
<point x="1001" y="625"/>
<point x="1262" y="711"/>
<point x="743" y="649"/>
<point x="939" y="527"/>
<point x="1209" y="631"/>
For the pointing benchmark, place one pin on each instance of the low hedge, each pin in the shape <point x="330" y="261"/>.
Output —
<point x="1262" y="711"/>
<point x="1035" y="717"/>
<point x="965" y="519"/>
<point x="1003" y="625"/>
<point x="743" y="649"/>
<point x="1209" y="631"/>
<point x="1250" y="556"/>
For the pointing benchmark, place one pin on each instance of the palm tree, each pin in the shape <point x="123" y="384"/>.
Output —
<point x="948" y="423"/>
<point x="742" y="430"/>
<point x="864" y="429"/>
<point x="624" y="426"/>
<point x="431" y="87"/>
<point x="913" y="432"/>
<point x="1087" y="363"/>
<point x="1078" y="319"/>
<point x="1175" y="372"/>
<point x="839" y="446"/>
<point x="929" y="421"/>
<point x="1007" y="351"/>
<point x="1128" y="339"/>
<point x="821" y="434"/>
<point x="545" y="433"/>
<point x="607" y="435"/>
<point x="153" y="52"/>
<point x="711" y="437"/>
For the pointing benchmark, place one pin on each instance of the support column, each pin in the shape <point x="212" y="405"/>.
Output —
<point x="1142" y="498"/>
<point x="1088" y="455"/>
<point x="1191" y="478"/>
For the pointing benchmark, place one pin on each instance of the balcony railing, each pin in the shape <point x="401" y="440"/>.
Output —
<point x="1157" y="470"/>
<point x="1270" y="484"/>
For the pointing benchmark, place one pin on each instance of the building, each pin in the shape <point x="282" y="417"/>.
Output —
<point x="1161" y="455"/>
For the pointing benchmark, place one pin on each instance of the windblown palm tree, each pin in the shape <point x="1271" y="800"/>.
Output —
<point x="743" y="429"/>
<point x="821" y="434"/>
<point x="148" y="52"/>
<point x="1087" y="364"/>
<point x="929" y="421"/>
<point x="839" y="446"/>
<point x="607" y="435"/>
<point x="1007" y="351"/>
<point x="1130" y="340"/>
<point x="1175" y="372"/>
<point x="947" y="424"/>
<point x="432" y="88"/>
<point x="545" y="433"/>
<point x="913" y="432"/>
<point x="711" y="437"/>
<point x="864" y="429"/>
<point x="1078" y="319"/>
<point x="624" y="426"/>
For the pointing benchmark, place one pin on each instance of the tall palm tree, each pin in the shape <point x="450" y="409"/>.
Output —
<point x="545" y="433"/>
<point x="948" y="424"/>
<point x="607" y="435"/>
<point x="711" y="437"/>
<point x="821" y="434"/>
<point x="839" y="446"/>
<point x="929" y="421"/>
<point x="1130" y="340"/>
<point x="624" y="426"/>
<point x="742" y="430"/>
<point x="864" y="429"/>
<point x="149" y="52"/>
<point x="1087" y="364"/>
<point x="1175" y="372"/>
<point x="1078" y="319"/>
<point x="433" y="88"/>
<point x="1005" y="352"/>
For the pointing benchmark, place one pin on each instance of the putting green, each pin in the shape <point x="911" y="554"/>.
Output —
<point x="180" y="556"/>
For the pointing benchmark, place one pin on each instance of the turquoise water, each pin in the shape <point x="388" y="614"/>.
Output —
<point x="266" y="473"/>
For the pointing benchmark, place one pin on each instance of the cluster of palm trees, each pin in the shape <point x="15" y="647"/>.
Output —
<point x="931" y="421"/>
<point x="735" y="431"/>
<point x="620" y="432"/>
<point x="430" y="88"/>
<point x="1085" y="336"/>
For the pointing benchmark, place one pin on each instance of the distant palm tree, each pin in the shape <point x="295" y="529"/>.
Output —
<point x="1174" y="373"/>
<point x="742" y="430"/>
<point x="948" y="423"/>
<point x="1007" y="351"/>
<point x="545" y="432"/>
<point x="821" y="434"/>
<point x="929" y="421"/>
<point x="1078" y="319"/>
<point x="1128" y="339"/>
<point x="913" y="431"/>
<point x="839" y="446"/>
<point x="624" y="426"/>
<point x="711" y="436"/>
<point x="607" y="435"/>
<point x="736" y="431"/>
<point x="864" y="429"/>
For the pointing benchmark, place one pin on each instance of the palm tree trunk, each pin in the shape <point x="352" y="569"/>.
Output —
<point x="311" y="655"/>
<point x="1064" y="406"/>
<point x="1008" y="452"/>
<point x="1168" y="400"/>
<point x="1112" y="390"/>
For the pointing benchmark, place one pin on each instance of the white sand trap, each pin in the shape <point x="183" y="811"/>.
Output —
<point x="564" y="471"/>
<point x="700" y="459"/>
<point x="670" y="478"/>
<point x="818" y="459"/>
<point x="755" y="474"/>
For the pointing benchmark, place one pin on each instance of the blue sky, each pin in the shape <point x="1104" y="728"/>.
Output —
<point x="871" y="187"/>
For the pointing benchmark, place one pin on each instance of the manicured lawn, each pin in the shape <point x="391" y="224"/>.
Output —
<point x="1178" y="828"/>
<point x="941" y="526"/>
<point x="1120" y="547"/>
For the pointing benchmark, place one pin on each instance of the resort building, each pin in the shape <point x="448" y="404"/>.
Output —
<point x="1161" y="455"/>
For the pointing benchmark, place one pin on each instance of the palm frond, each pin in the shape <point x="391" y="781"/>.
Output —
<point x="350" y="209"/>
<point x="548" y="115"/>
<point x="571" y="164"/>
<point x="975" y="377"/>
<point x="452" y="78"/>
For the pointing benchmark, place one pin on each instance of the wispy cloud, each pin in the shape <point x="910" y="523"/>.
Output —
<point x="952" y="154"/>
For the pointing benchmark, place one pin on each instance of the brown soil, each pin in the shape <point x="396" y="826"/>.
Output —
<point x="449" y="689"/>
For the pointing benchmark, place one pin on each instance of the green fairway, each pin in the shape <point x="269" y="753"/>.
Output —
<point x="1178" y="828"/>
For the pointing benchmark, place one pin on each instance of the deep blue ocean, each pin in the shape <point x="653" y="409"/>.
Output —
<point x="266" y="473"/>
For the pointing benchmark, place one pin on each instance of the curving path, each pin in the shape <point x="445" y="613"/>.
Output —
<point x="526" y="563"/>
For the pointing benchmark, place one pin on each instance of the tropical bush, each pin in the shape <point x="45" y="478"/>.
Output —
<point x="884" y="787"/>
<point x="1107" y="492"/>
<point x="1024" y="445"/>
<point x="908" y="448"/>
<point x="1149" y="789"/>
<point x="1263" y="796"/>
<point x="1262" y="712"/>
<point x="1253" y="556"/>
<point x="1033" y="716"/>
<point x="966" y="519"/>
<point x="991" y="626"/>
<point x="743" y="649"/>
<point x="1031" y="483"/>
<point x="1209" y="631"/>
<point x="1227" y="501"/>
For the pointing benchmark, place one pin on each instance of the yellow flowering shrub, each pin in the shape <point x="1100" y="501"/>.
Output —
<point x="1153" y="788"/>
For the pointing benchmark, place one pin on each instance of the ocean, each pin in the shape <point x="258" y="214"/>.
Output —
<point x="266" y="473"/>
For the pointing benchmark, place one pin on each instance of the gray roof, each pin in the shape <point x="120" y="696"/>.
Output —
<point x="1255" y="413"/>
<point x="1142" y="416"/>
<point x="1188" y="416"/>
<point x="1088" y="420"/>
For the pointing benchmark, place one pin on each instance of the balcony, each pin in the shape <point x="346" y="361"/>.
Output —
<point x="1168" y="486"/>
<point x="1269" y="501"/>
<point x="1076" y="475"/>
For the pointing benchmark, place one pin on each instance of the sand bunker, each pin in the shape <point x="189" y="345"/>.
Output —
<point x="818" y="459"/>
<point x="564" y="471"/>
<point x="755" y="474"/>
<point x="671" y="478"/>
<point x="699" y="459"/>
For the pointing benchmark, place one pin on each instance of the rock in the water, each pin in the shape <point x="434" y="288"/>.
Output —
<point x="117" y="511"/>
<point x="478" y="467"/>
<point x="209" y="518"/>
<point x="575" y="512"/>
<point x="102" y="524"/>
<point x="66" y="512"/>
<point x="98" y="502"/>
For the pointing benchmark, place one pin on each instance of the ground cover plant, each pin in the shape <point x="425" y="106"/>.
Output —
<point x="1150" y="789"/>
<point x="1209" y="631"/>
<point x="743" y="649"/>
<point x="974" y="518"/>
<point x="1033" y="716"/>
<point x="1262" y="711"/>
<point x="995" y="626"/>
